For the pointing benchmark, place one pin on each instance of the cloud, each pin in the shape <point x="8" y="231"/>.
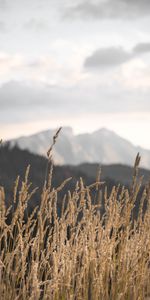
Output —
<point x="141" y="48"/>
<point x="20" y="101"/>
<point x="2" y="27"/>
<point x="9" y="63"/>
<point x="46" y="68"/>
<point x="107" y="57"/>
<point x="3" y="4"/>
<point x="99" y="9"/>
<point x="17" y="95"/>
<point x="114" y="56"/>
<point x="36" y="25"/>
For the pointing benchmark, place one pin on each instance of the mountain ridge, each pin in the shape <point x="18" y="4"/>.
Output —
<point x="102" y="146"/>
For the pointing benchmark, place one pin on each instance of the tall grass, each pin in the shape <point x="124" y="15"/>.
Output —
<point x="80" y="254"/>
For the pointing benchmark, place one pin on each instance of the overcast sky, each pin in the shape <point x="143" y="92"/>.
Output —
<point x="82" y="63"/>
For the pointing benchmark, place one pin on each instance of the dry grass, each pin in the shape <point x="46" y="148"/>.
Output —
<point x="81" y="254"/>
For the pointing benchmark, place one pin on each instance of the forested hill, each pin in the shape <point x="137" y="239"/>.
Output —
<point x="13" y="162"/>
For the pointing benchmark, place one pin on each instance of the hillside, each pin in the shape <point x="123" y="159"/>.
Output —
<point x="117" y="172"/>
<point x="13" y="162"/>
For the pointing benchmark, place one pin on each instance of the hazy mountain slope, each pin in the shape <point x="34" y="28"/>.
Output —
<point x="107" y="147"/>
<point x="102" y="146"/>
<point x="39" y="143"/>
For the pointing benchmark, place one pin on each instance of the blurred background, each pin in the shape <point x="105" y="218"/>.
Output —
<point x="83" y="64"/>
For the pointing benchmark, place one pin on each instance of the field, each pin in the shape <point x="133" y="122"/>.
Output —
<point x="84" y="252"/>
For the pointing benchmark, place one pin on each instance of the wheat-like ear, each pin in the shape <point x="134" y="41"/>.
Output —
<point x="136" y="165"/>
<point x="49" y="166"/>
<point x="49" y="152"/>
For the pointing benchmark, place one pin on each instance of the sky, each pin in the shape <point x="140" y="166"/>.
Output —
<point x="81" y="63"/>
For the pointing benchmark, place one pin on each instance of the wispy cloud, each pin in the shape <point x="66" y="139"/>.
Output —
<point x="9" y="63"/>
<point x="109" y="9"/>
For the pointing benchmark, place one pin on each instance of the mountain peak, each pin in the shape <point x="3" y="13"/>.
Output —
<point x="67" y="130"/>
<point x="104" y="131"/>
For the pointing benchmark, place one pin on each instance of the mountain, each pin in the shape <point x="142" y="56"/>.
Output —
<point x="102" y="146"/>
